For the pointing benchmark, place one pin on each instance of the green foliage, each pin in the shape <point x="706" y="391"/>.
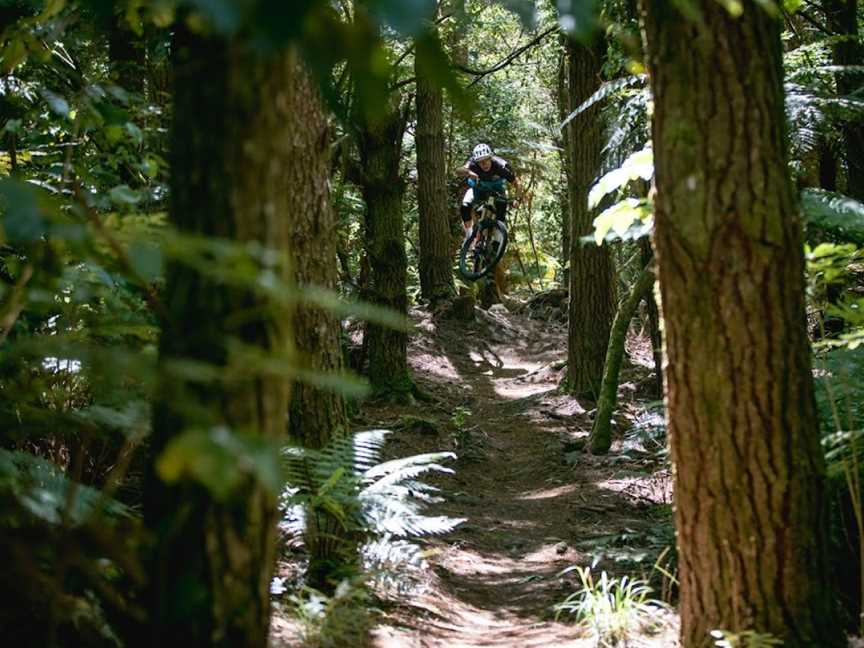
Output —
<point x="332" y="621"/>
<point x="838" y="216"/>
<point x="221" y="461"/>
<point x="629" y="218"/>
<point x="381" y="503"/>
<point x="613" y="609"/>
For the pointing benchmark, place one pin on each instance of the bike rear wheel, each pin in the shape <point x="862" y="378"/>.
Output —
<point x="476" y="262"/>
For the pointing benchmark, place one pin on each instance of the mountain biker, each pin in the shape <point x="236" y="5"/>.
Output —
<point x="487" y="174"/>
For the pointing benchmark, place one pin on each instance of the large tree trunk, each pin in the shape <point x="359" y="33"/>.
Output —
<point x="436" y="261"/>
<point x="232" y="147"/>
<point x="749" y="505"/>
<point x="316" y="416"/>
<point x="844" y="17"/>
<point x="382" y="189"/>
<point x="592" y="277"/>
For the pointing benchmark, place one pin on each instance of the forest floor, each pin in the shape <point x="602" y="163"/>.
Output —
<point x="533" y="506"/>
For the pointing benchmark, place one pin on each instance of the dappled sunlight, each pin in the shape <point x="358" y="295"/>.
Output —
<point x="548" y="493"/>
<point x="437" y="365"/>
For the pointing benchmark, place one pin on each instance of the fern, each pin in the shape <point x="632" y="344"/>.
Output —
<point x="42" y="489"/>
<point x="381" y="502"/>
<point x="608" y="89"/>
<point x="840" y="216"/>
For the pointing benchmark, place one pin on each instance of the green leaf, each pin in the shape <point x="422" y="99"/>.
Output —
<point x="57" y="103"/>
<point x="22" y="217"/>
<point x="135" y="133"/>
<point x="124" y="195"/>
<point x="578" y="18"/>
<point x="405" y="16"/>
<point x="639" y="165"/>
<point x="146" y="260"/>
<point x="13" y="54"/>
<point x="226" y="15"/>
<point x="221" y="461"/>
<point x="620" y="217"/>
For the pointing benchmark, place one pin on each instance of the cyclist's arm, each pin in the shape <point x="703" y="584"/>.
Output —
<point x="464" y="171"/>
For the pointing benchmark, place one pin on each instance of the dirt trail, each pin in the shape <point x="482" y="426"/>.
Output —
<point x="495" y="579"/>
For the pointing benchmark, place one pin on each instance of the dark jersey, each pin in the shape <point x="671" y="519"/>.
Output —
<point x="500" y="170"/>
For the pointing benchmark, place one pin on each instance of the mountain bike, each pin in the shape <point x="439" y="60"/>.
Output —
<point x="485" y="246"/>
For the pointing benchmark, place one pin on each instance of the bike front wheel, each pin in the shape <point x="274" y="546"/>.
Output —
<point x="476" y="260"/>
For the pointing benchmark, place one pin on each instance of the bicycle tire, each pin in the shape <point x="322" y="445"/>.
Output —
<point x="465" y="259"/>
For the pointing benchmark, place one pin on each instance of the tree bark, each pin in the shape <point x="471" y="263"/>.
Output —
<point x="743" y="432"/>
<point x="592" y="281"/>
<point x="231" y="150"/>
<point x="601" y="431"/>
<point x="316" y="415"/>
<point x="382" y="188"/>
<point x="564" y="109"/>
<point x="843" y="14"/>
<point x="436" y="275"/>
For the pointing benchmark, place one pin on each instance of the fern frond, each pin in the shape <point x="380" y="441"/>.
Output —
<point x="835" y="213"/>
<point x="44" y="490"/>
<point x="608" y="89"/>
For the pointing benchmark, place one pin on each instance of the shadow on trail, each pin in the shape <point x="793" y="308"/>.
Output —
<point x="497" y="577"/>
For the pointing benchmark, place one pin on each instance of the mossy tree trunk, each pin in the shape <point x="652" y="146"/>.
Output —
<point x="601" y="431"/>
<point x="436" y="259"/>
<point x="214" y="552"/>
<point x="743" y="432"/>
<point x="382" y="187"/>
<point x="592" y="276"/>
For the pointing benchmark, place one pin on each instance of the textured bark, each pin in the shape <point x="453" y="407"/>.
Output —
<point x="844" y="17"/>
<point x="601" y="431"/>
<point x="436" y="275"/>
<point x="592" y="285"/>
<point x="382" y="189"/>
<point x="316" y="415"/>
<point x="743" y="432"/>
<point x="231" y="144"/>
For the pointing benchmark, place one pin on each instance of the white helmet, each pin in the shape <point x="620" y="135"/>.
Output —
<point x="481" y="151"/>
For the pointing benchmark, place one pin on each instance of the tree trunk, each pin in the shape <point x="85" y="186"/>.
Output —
<point x="382" y="189"/>
<point x="316" y="416"/>
<point x="436" y="276"/>
<point x="601" y="431"/>
<point x="743" y="433"/>
<point x="844" y="16"/>
<point x="592" y="280"/>
<point x="231" y="151"/>
<point x="564" y="109"/>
